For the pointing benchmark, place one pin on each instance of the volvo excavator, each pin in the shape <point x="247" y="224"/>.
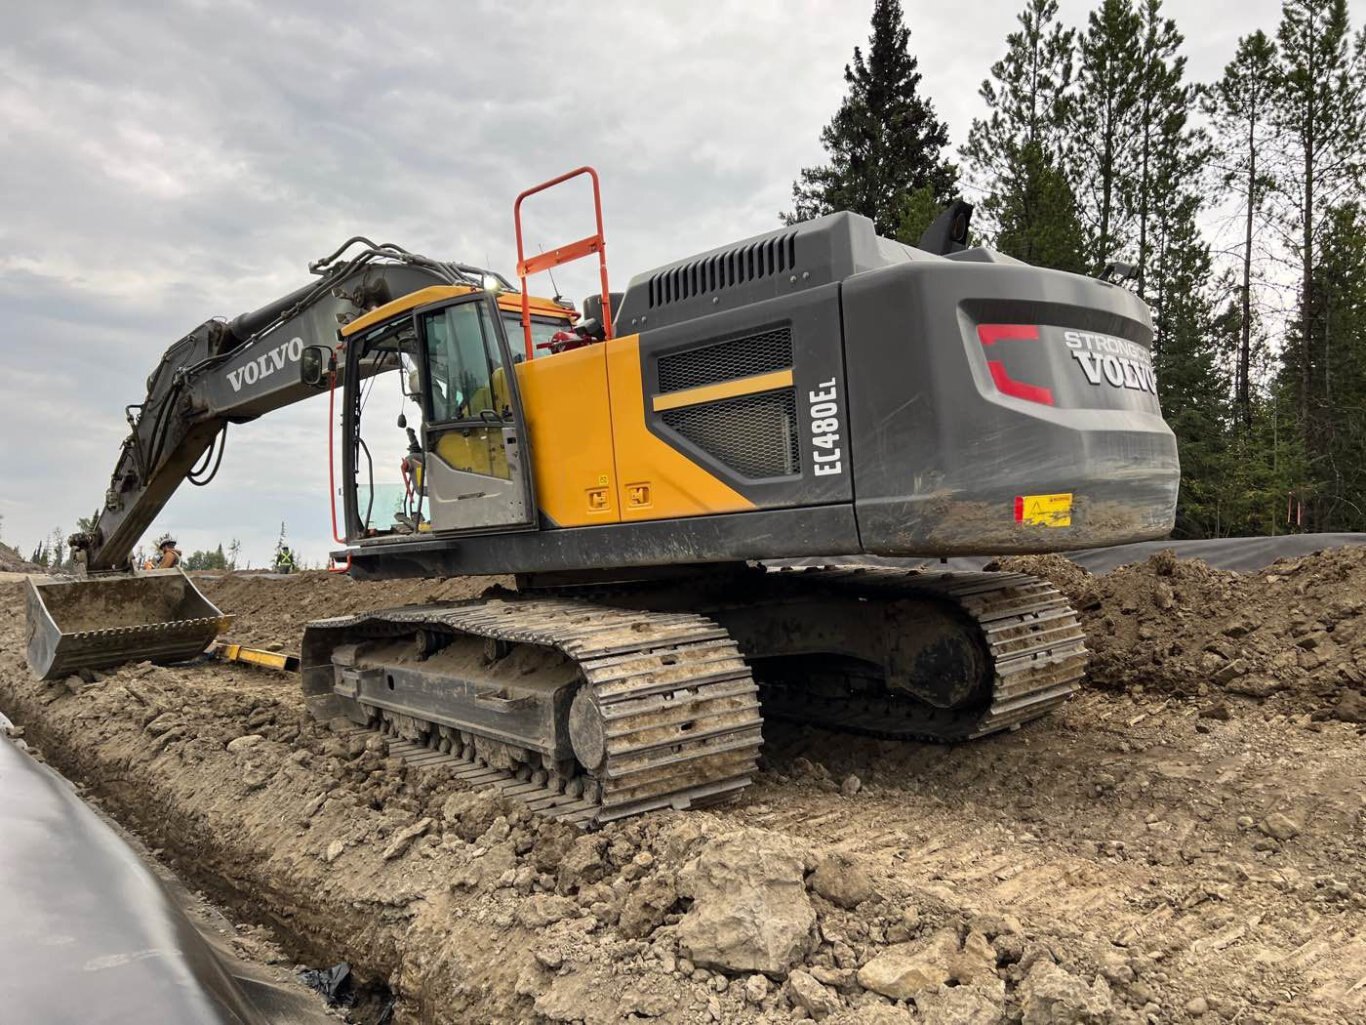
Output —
<point x="815" y="391"/>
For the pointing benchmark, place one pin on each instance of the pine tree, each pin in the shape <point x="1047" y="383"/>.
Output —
<point x="1169" y="153"/>
<point x="1194" y="390"/>
<point x="885" y="140"/>
<point x="1036" y="213"/>
<point x="1106" y="117"/>
<point x="1336" y="351"/>
<point x="1237" y="106"/>
<point x="1018" y="151"/>
<point x="1317" y="107"/>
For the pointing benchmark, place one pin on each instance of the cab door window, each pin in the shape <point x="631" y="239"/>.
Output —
<point x="467" y="390"/>
<point x="459" y="373"/>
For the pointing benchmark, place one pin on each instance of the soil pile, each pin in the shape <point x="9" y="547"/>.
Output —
<point x="273" y="609"/>
<point x="1294" y="634"/>
<point x="12" y="562"/>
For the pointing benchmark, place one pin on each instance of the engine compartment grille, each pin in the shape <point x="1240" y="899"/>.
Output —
<point x="726" y="361"/>
<point x="754" y="435"/>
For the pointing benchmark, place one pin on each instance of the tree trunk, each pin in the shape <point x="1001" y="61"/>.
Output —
<point x="1245" y="342"/>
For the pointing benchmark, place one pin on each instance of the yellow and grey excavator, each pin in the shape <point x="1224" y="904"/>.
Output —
<point x="811" y="392"/>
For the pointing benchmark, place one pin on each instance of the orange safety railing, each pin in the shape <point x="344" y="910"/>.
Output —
<point x="562" y="254"/>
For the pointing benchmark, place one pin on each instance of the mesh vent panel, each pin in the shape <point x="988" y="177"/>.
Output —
<point x="755" y="435"/>
<point x="726" y="361"/>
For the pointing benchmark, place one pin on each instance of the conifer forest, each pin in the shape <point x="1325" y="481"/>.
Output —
<point x="1235" y="208"/>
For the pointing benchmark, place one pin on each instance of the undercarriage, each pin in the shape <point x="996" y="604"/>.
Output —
<point x="596" y="702"/>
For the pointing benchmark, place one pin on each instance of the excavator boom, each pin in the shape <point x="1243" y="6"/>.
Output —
<point x="220" y="373"/>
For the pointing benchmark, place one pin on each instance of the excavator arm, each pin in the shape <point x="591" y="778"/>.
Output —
<point x="226" y="372"/>
<point x="221" y="373"/>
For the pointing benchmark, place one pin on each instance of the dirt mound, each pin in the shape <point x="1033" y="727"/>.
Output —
<point x="1294" y="632"/>
<point x="273" y="609"/>
<point x="12" y="562"/>
<point x="1076" y="583"/>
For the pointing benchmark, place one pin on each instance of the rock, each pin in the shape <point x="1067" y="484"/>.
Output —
<point x="644" y="910"/>
<point x="839" y="978"/>
<point x="750" y="911"/>
<point x="530" y="982"/>
<point x="1197" y="1007"/>
<point x="982" y="1003"/>
<point x="241" y="744"/>
<point x="756" y="988"/>
<point x="550" y="958"/>
<point x="851" y="786"/>
<point x="575" y="997"/>
<point x="1255" y="686"/>
<point x="1279" y="826"/>
<point x="638" y="866"/>
<point x="1009" y="948"/>
<point x="544" y="909"/>
<point x="842" y="881"/>
<point x="404" y="838"/>
<point x="903" y="928"/>
<point x="583" y="863"/>
<point x="1218" y="710"/>
<point x="1051" y="996"/>
<point x="334" y="851"/>
<point x="472" y="813"/>
<point x="977" y="960"/>
<point x="808" y="993"/>
<point x="905" y="969"/>
<point x="1351" y="707"/>
<point x="1238" y="667"/>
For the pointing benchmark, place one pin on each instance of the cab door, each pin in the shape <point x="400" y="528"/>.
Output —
<point x="476" y="470"/>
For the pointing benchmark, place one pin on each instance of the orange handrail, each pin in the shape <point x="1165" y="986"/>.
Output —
<point x="562" y="254"/>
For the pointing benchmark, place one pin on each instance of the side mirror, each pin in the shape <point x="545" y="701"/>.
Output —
<point x="314" y="362"/>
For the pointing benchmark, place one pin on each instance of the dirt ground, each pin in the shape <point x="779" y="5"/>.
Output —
<point x="1182" y="842"/>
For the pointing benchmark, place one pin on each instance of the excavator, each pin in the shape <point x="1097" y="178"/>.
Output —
<point x="639" y="469"/>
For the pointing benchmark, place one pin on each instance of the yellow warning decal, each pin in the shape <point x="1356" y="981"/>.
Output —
<point x="1044" y="510"/>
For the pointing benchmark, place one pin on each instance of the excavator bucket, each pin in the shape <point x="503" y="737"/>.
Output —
<point x="159" y="616"/>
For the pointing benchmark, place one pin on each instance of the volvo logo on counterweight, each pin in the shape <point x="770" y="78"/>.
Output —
<point x="267" y="363"/>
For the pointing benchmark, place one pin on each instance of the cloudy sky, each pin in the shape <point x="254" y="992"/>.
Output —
<point x="165" y="163"/>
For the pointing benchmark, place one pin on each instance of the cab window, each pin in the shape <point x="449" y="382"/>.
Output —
<point x="458" y="364"/>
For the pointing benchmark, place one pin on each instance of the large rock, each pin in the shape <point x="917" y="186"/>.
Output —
<point x="750" y="910"/>
<point x="1051" y="996"/>
<point x="982" y="1003"/>
<point x="842" y="880"/>
<point x="905" y="969"/>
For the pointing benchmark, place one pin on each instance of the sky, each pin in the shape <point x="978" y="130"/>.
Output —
<point x="168" y="162"/>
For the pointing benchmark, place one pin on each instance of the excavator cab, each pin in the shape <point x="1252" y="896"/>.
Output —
<point x="462" y="467"/>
